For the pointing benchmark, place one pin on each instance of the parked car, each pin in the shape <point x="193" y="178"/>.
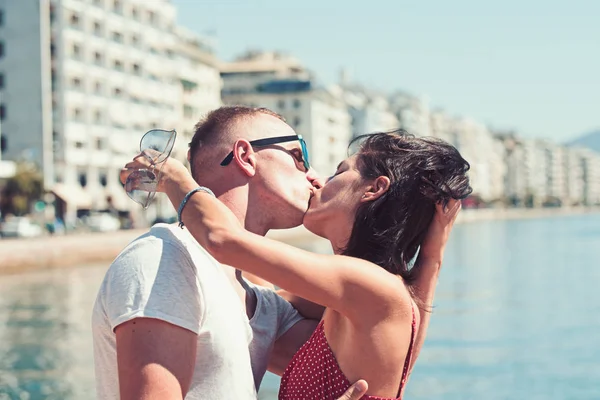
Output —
<point x="19" y="227"/>
<point x="102" y="222"/>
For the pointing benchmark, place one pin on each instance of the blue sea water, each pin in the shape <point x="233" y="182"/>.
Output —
<point x="517" y="316"/>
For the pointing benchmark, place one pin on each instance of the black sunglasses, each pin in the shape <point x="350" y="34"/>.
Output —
<point x="275" y="140"/>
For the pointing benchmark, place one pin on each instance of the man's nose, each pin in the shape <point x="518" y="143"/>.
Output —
<point x="314" y="178"/>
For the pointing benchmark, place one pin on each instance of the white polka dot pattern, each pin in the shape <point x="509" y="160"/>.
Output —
<point x="314" y="374"/>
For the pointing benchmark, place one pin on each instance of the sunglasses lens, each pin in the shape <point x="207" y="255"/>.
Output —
<point x="141" y="186"/>
<point x="157" y="144"/>
<point x="305" y="154"/>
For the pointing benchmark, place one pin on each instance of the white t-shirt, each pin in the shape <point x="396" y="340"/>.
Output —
<point x="272" y="318"/>
<point x="166" y="274"/>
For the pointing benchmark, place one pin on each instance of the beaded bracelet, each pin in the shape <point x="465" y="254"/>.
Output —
<point x="187" y="197"/>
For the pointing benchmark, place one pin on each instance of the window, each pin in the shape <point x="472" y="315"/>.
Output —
<point x="75" y="20"/>
<point x="76" y="83"/>
<point x="79" y="145"/>
<point x="281" y="104"/>
<point x="136" y="69"/>
<point x="296" y="122"/>
<point x="134" y="13"/>
<point x="98" y="88"/>
<point x="135" y="40"/>
<point x="1" y="17"/>
<point x="97" y="58"/>
<point x="77" y="114"/>
<point x="76" y="51"/>
<point x="1" y="49"/>
<point x="98" y="117"/>
<point x="97" y="29"/>
<point x="103" y="178"/>
<point x="117" y="7"/>
<point x="151" y="17"/>
<point x="1" y="81"/>
<point x="117" y="37"/>
<point x="98" y="3"/>
<point x="188" y="111"/>
<point x="52" y="50"/>
<point x="52" y="14"/>
<point x="2" y="112"/>
<point x="54" y="80"/>
<point x="297" y="103"/>
<point x="83" y="179"/>
<point x="117" y="92"/>
<point x="100" y="143"/>
<point x="118" y="65"/>
<point x="3" y="143"/>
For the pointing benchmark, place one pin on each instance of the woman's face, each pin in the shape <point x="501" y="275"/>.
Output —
<point x="332" y="208"/>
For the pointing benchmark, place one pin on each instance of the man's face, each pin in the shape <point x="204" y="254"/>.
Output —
<point x="282" y="184"/>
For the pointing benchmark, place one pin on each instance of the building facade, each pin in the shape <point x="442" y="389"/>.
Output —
<point x="86" y="78"/>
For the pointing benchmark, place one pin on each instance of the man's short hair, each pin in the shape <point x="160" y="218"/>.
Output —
<point x="217" y="123"/>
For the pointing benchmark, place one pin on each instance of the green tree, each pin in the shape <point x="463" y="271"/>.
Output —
<point x="21" y="190"/>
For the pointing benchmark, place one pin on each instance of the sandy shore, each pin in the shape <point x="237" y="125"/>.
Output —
<point x="18" y="255"/>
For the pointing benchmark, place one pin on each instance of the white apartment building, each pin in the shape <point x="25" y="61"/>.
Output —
<point x="536" y="172"/>
<point x="591" y="177"/>
<point x="283" y="85"/>
<point x="200" y="84"/>
<point x="515" y="189"/>
<point x="556" y="175"/>
<point x="85" y="79"/>
<point x="369" y="111"/>
<point x="486" y="156"/>
<point x="412" y="113"/>
<point x="574" y="179"/>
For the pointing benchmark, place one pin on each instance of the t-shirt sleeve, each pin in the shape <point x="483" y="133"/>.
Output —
<point x="154" y="278"/>
<point x="287" y="315"/>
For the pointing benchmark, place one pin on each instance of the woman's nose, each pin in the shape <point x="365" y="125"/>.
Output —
<point x="314" y="178"/>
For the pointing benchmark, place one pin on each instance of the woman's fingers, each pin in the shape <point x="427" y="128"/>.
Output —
<point x="449" y="213"/>
<point x="140" y="161"/>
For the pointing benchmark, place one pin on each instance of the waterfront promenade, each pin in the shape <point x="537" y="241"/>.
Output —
<point x="19" y="255"/>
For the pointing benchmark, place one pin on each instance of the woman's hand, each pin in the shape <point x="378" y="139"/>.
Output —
<point x="169" y="172"/>
<point x="439" y="230"/>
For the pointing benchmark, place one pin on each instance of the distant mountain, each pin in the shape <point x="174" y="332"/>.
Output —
<point x="590" y="140"/>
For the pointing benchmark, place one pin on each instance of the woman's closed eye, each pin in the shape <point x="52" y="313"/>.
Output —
<point x="337" y="172"/>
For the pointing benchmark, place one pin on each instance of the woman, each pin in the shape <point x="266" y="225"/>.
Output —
<point x="375" y="211"/>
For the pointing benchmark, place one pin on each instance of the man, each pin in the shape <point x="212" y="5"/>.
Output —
<point x="169" y="321"/>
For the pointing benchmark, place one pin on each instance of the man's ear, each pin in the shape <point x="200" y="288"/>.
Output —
<point x="244" y="157"/>
<point x="377" y="189"/>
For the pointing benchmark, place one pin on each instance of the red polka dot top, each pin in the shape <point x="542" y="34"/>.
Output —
<point x="314" y="374"/>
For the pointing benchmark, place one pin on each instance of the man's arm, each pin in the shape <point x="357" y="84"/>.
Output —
<point x="288" y="344"/>
<point x="306" y="308"/>
<point x="153" y="304"/>
<point x="155" y="359"/>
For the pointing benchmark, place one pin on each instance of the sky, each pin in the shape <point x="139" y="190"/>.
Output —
<point x="525" y="65"/>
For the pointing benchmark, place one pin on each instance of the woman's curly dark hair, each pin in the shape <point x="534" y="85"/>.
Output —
<point x="422" y="171"/>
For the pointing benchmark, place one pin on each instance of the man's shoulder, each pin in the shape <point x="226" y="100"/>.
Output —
<point x="162" y="238"/>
